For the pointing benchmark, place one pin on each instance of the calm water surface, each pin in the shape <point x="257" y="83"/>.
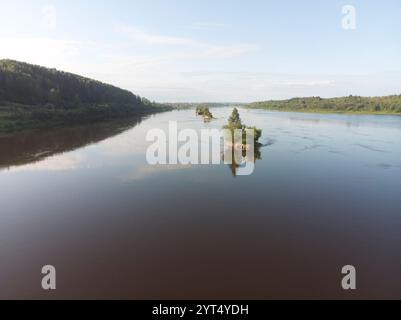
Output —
<point x="325" y="193"/>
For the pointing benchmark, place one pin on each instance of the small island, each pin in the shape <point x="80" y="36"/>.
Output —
<point x="235" y="123"/>
<point x="205" y="113"/>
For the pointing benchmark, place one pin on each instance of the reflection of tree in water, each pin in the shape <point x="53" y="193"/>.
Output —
<point x="32" y="146"/>
<point x="257" y="156"/>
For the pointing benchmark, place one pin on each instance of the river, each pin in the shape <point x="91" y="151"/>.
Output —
<point x="325" y="193"/>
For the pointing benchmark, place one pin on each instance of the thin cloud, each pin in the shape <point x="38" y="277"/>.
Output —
<point x="194" y="48"/>
<point x="140" y="35"/>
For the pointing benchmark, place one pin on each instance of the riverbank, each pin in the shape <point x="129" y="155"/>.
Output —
<point x="325" y="111"/>
<point x="386" y="105"/>
<point x="33" y="96"/>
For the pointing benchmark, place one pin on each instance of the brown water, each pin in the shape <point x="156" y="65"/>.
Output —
<point x="325" y="193"/>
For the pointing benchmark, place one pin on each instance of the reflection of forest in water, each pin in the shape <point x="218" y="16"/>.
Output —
<point x="32" y="146"/>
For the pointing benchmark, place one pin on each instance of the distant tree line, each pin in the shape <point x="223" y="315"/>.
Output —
<point x="191" y="105"/>
<point x="387" y="104"/>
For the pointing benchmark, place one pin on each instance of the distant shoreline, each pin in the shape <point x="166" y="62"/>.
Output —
<point x="323" y="111"/>
<point x="385" y="105"/>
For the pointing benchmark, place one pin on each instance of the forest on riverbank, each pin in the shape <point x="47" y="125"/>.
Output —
<point x="350" y="104"/>
<point x="33" y="96"/>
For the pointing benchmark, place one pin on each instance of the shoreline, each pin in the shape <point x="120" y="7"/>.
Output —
<point x="323" y="111"/>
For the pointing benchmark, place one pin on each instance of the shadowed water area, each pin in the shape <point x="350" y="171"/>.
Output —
<point x="325" y="193"/>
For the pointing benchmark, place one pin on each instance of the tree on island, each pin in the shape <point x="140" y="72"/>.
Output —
<point x="205" y="113"/>
<point x="235" y="123"/>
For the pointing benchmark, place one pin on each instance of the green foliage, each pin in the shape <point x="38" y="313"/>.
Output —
<point x="204" y="112"/>
<point x="257" y="132"/>
<point x="192" y="105"/>
<point x="235" y="123"/>
<point x="36" y="95"/>
<point x="388" y="104"/>
<point x="33" y="85"/>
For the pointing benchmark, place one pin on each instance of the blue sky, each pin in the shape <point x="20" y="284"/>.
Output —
<point x="212" y="50"/>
